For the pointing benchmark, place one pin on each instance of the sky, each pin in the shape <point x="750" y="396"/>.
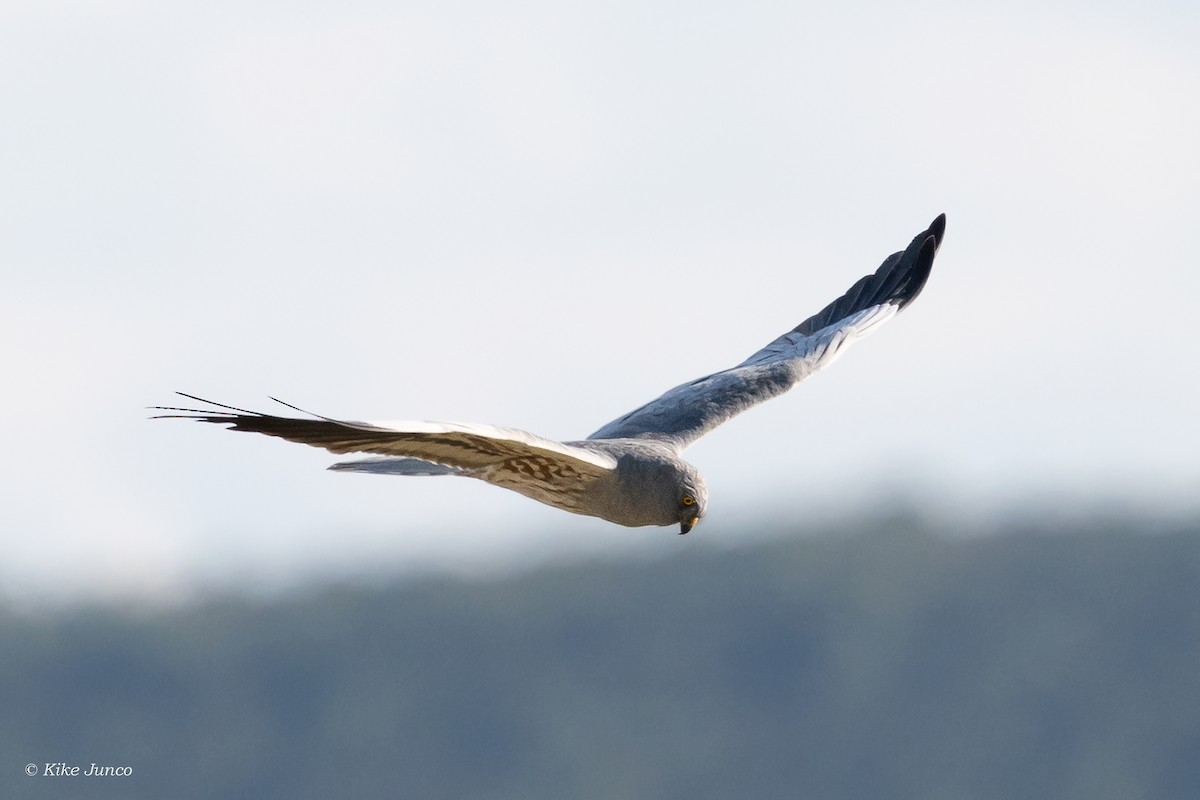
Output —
<point x="541" y="215"/>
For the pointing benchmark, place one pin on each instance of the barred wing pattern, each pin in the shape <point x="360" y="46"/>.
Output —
<point x="536" y="467"/>
<point x="687" y="412"/>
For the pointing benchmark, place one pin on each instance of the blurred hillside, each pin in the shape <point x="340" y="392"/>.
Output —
<point x="893" y="661"/>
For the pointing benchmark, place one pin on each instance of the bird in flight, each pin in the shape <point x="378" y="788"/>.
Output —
<point x="630" y="471"/>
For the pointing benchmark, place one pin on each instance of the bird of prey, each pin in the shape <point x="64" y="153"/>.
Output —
<point x="630" y="471"/>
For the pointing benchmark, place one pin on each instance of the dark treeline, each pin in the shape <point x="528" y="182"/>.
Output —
<point x="888" y="662"/>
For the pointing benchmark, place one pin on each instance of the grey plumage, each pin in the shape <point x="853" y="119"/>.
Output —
<point x="687" y="412"/>
<point x="629" y="471"/>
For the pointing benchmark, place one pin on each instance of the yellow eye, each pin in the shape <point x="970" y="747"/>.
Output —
<point x="688" y="500"/>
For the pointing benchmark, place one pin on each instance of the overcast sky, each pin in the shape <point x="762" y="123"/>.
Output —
<point x="541" y="215"/>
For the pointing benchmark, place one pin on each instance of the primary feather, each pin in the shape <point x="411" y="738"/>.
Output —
<point x="687" y="412"/>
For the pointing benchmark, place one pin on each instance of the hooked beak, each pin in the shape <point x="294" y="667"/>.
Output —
<point x="686" y="526"/>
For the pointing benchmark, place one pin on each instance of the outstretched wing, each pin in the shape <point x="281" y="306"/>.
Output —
<point x="509" y="457"/>
<point x="687" y="412"/>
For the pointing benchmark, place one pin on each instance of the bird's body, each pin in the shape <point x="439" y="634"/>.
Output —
<point x="630" y="471"/>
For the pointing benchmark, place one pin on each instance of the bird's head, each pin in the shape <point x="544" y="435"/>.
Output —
<point x="692" y="498"/>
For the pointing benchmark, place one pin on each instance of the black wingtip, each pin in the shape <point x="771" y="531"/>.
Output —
<point x="930" y="243"/>
<point x="937" y="228"/>
<point x="922" y="266"/>
<point x="898" y="280"/>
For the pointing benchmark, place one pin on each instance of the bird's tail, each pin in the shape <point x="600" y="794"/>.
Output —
<point x="389" y="465"/>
